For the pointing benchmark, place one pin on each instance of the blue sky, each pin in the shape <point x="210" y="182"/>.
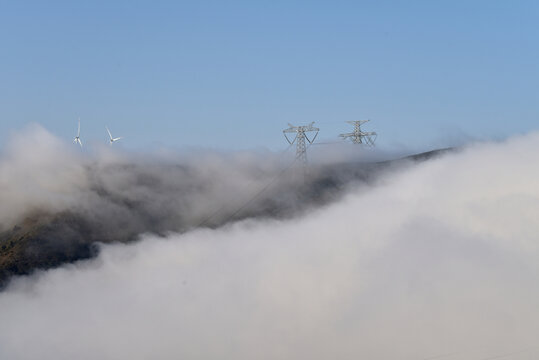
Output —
<point x="232" y="74"/>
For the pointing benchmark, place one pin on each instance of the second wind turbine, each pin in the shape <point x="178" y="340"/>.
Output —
<point x="111" y="138"/>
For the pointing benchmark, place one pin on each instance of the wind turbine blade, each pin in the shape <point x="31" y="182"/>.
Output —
<point x="80" y="142"/>
<point x="110" y="135"/>
<point x="116" y="139"/>
<point x="78" y="131"/>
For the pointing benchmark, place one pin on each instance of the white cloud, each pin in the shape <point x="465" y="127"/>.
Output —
<point x="436" y="259"/>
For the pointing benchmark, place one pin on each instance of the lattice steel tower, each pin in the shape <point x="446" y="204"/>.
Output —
<point x="358" y="136"/>
<point x="299" y="139"/>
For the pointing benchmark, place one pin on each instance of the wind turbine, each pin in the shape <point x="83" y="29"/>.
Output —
<point x="76" y="140"/>
<point x="111" y="138"/>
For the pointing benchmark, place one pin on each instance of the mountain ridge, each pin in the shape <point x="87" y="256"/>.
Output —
<point x="45" y="240"/>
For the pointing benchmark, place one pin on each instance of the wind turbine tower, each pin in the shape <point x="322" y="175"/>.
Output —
<point x="358" y="136"/>
<point x="77" y="140"/>
<point x="301" y="139"/>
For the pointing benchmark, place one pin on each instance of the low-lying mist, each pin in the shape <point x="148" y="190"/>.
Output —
<point x="438" y="260"/>
<point x="57" y="202"/>
<point x="157" y="193"/>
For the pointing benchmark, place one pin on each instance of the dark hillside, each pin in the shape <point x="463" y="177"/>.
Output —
<point x="47" y="240"/>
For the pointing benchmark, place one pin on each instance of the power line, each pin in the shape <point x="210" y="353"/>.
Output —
<point x="441" y="356"/>
<point x="490" y="357"/>
<point x="501" y="356"/>
<point x="303" y="142"/>
<point x="261" y="191"/>
<point x="257" y="194"/>
<point x="328" y="143"/>
<point x="222" y="207"/>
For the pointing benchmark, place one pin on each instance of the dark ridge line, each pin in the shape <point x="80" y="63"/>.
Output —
<point x="45" y="241"/>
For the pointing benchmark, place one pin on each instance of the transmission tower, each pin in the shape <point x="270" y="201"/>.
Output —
<point x="299" y="139"/>
<point x="358" y="136"/>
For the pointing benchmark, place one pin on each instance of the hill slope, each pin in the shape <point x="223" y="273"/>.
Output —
<point x="45" y="240"/>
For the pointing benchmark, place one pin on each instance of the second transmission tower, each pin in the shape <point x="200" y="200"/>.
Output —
<point x="299" y="139"/>
<point x="358" y="136"/>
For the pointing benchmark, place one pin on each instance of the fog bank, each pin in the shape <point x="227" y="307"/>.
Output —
<point x="440" y="259"/>
<point x="57" y="201"/>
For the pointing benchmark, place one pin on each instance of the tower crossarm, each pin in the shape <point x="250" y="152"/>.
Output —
<point x="358" y="122"/>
